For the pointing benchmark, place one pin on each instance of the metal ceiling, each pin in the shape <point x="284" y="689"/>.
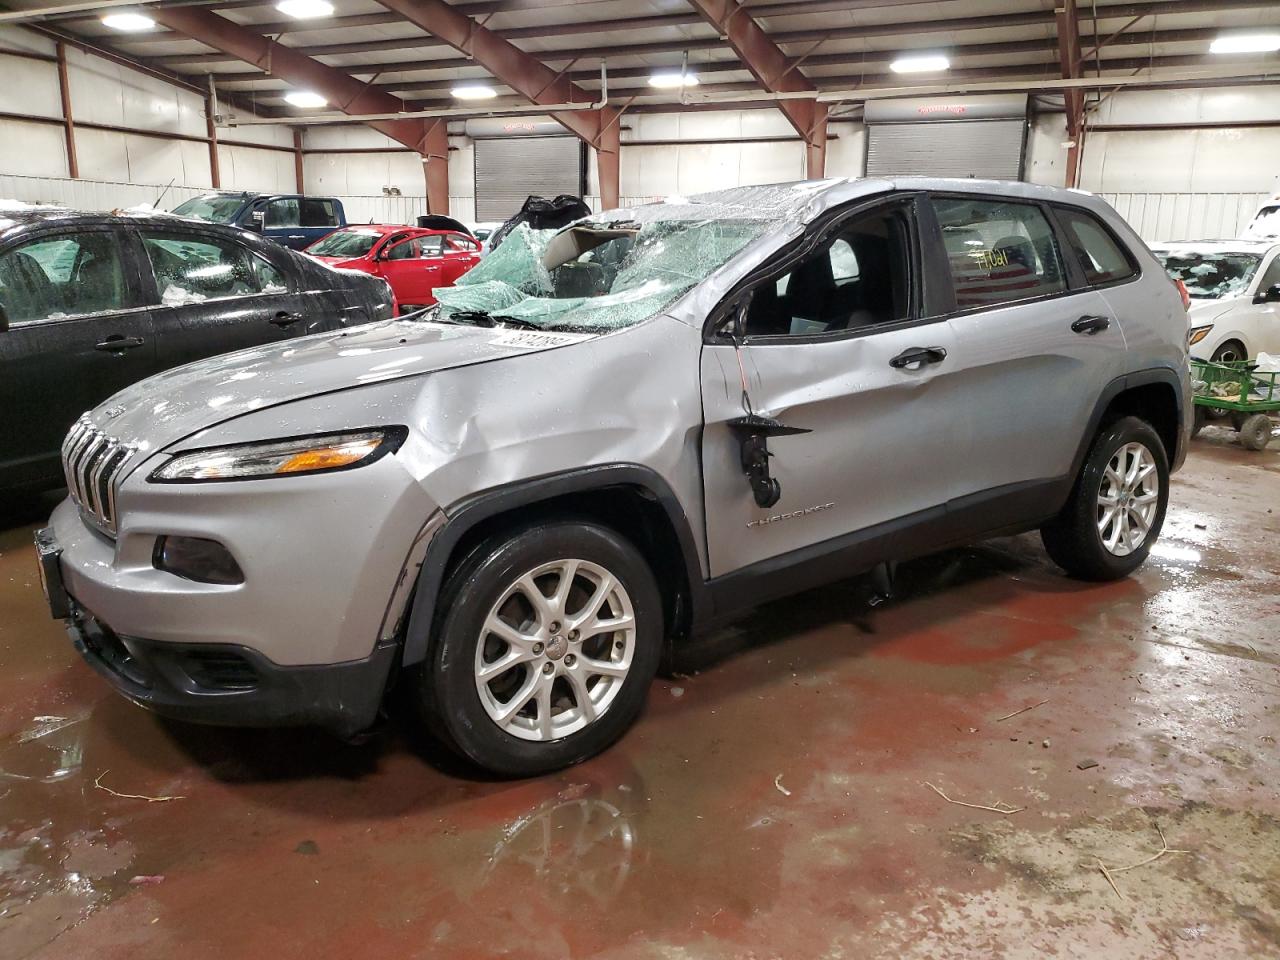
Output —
<point x="832" y="44"/>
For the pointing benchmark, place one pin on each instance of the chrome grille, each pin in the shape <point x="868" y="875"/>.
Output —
<point x="91" y="463"/>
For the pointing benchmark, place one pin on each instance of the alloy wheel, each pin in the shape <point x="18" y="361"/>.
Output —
<point x="1128" y="499"/>
<point x="555" y="650"/>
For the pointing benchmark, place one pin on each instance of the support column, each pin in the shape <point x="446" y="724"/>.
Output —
<point x="297" y="161"/>
<point x="608" y="157"/>
<point x="435" y="166"/>
<point x="211" y="126"/>
<point x="68" y="123"/>
<point x="815" y="166"/>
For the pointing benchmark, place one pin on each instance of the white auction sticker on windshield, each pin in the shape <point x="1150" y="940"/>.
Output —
<point x="534" y="339"/>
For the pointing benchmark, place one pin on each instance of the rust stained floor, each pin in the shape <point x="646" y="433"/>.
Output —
<point x="774" y="804"/>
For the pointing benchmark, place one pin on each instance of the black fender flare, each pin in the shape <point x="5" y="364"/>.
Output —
<point x="465" y="514"/>
<point x="1140" y="378"/>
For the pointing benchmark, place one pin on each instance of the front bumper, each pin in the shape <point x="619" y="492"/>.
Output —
<point x="228" y="685"/>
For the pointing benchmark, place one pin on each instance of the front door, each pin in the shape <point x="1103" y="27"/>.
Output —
<point x="414" y="268"/>
<point x="77" y="332"/>
<point x="841" y="345"/>
<point x="213" y="295"/>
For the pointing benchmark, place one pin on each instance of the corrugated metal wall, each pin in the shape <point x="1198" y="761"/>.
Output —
<point x="1186" y="216"/>
<point x="90" y="194"/>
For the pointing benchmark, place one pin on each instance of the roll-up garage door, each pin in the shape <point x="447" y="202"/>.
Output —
<point x="510" y="170"/>
<point x="983" y="137"/>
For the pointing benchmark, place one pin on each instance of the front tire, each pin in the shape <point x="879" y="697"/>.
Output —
<point x="548" y="640"/>
<point x="1117" y="506"/>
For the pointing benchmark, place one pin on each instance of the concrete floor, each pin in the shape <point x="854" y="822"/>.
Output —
<point x="774" y="804"/>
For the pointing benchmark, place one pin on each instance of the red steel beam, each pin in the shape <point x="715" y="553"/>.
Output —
<point x="775" y="72"/>
<point x="1069" y="59"/>
<point x="345" y="93"/>
<point x="525" y="74"/>
<point x="68" y="123"/>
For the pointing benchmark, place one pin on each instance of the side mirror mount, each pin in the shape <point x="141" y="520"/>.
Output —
<point x="1270" y="295"/>
<point x="255" y="220"/>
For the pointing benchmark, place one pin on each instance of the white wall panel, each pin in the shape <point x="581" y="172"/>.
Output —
<point x="29" y="86"/>
<point x="245" y="168"/>
<point x="847" y="153"/>
<point x="16" y="38"/>
<point x="103" y="92"/>
<point x="1046" y="159"/>
<point x="271" y="134"/>
<point x="32" y="149"/>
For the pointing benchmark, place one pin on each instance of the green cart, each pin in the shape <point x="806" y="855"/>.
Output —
<point x="1239" y="390"/>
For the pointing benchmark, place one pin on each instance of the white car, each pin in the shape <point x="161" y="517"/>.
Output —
<point x="1235" y="295"/>
<point x="1266" y="222"/>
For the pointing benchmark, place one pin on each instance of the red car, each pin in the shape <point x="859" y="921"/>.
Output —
<point x="413" y="260"/>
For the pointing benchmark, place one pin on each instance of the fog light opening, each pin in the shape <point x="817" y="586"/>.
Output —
<point x="194" y="558"/>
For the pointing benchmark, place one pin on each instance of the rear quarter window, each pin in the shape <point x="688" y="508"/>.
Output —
<point x="1102" y="257"/>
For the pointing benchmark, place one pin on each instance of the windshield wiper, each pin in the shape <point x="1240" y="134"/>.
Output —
<point x="482" y="318"/>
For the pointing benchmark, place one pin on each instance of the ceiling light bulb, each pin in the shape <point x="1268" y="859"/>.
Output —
<point x="931" y="63"/>
<point x="305" y="9"/>
<point x="673" y="80"/>
<point x="1247" y="43"/>
<point x="474" y="91"/>
<point x="128" y="22"/>
<point x="305" y="98"/>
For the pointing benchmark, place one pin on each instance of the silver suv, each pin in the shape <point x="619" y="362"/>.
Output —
<point x="609" y="438"/>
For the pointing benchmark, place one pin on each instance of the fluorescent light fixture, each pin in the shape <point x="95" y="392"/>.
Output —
<point x="474" y="91"/>
<point x="305" y="9"/>
<point x="128" y="22"/>
<point x="305" y="98"/>
<point x="927" y="63"/>
<point x="1246" y="43"/>
<point x="673" y="80"/>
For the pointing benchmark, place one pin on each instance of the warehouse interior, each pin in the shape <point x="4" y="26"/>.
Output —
<point x="965" y="754"/>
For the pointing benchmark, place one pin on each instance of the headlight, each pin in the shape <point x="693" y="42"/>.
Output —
<point x="298" y="456"/>
<point x="1197" y="334"/>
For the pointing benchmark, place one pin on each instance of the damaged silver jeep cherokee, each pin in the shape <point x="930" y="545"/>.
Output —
<point x="608" y="438"/>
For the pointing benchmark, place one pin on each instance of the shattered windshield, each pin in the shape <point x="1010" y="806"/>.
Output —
<point x="603" y="273"/>
<point x="212" y="208"/>
<point x="1211" y="276"/>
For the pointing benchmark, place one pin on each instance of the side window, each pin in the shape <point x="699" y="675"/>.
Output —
<point x="188" y="270"/>
<point x="432" y="246"/>
<point x="283" y="213"/>
<point x="999" y="252"/>
<point x="315" y="213"/>
<point x="1272" y="276"/>
<point x="1099" y="254"/>
<point x="460" y="244"/>
<point x="859" y="278"/>
<point x="405" y="250"/>
<point x="71" y="275"/>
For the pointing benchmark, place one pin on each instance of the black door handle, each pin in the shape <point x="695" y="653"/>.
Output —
<point x="918" y="355"/>
<point x="1091" y="325"/>
<point x="284" y="319"/>
<point x="118" y="342"/>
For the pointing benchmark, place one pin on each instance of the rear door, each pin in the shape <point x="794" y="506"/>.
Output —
<point x="843" y="344"/>
<point x="212" y="295"/>
<point x="78" y="332"/>
<point x="1035" y="347"/>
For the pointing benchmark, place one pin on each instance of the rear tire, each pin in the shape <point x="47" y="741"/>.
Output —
<point x="522" y="680"/>
<point x="1255" y="432"/>
<point x="1117" y="506"/>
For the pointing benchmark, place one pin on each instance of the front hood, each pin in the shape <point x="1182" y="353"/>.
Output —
<point x="163" y="409"/>
<point x="1207" y="311"/>
<point x="347" y="263"/>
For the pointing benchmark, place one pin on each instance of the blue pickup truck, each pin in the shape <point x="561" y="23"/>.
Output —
<point x="287" y="218"/>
